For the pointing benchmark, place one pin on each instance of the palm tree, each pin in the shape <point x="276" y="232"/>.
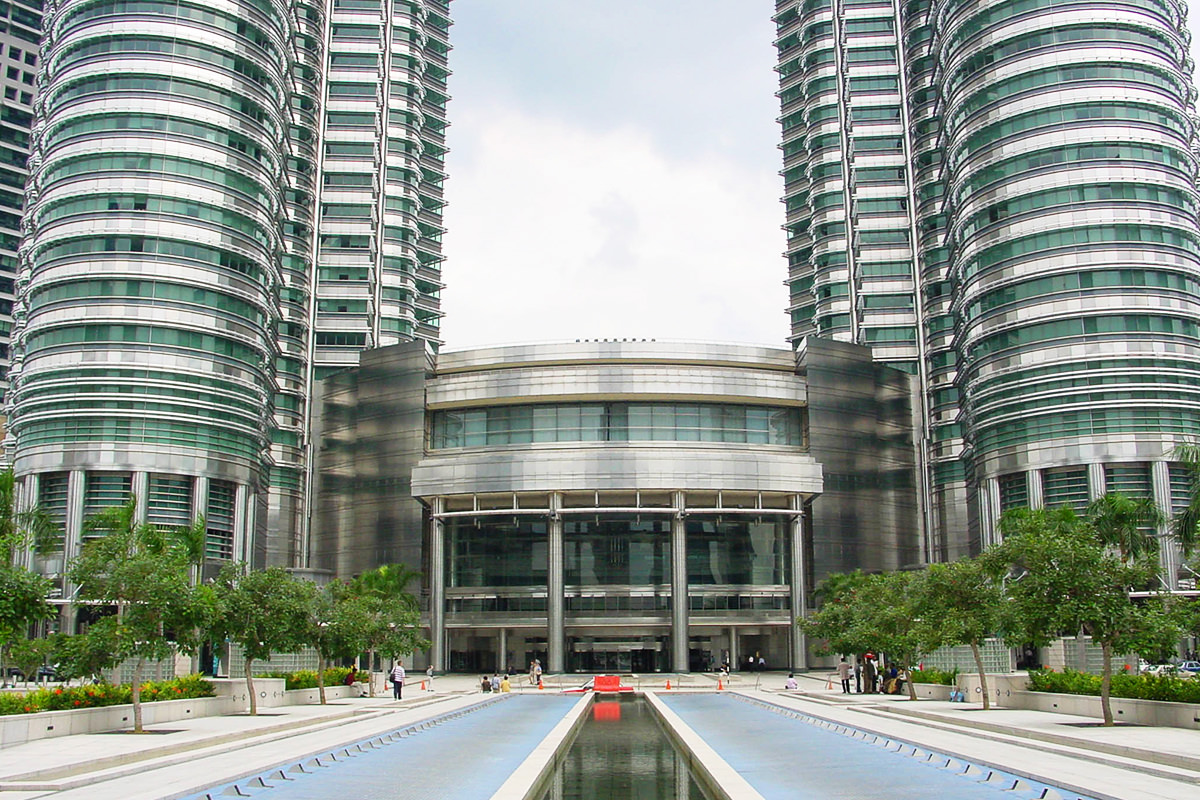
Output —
<point x="1185" y="524"/>
<point x="1126" y="523"/>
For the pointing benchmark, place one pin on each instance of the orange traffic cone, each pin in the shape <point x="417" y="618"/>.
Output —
<point x="720" y="685"/>
<point x="540" y="684"/>
<point x="668" y="686"/>
<point x="422" y="686"/>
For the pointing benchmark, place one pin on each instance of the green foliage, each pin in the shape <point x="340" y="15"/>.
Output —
<point x="1185" y="524"/>
<point x="1119" y="521"/>
<point x="392" y="613"/>
<point x="104" y="694"/>
<point x="307" y="678"/>
<point x="22" y="601"/>
<point x="939" y="676"/>
<point x="264" y="611"/>
<point x="30" y="654"/>
<point x="81" y="656"/>
<point x="1167" y="688"/>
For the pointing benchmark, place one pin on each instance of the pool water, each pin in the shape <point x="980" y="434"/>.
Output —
<point x="622" y="752"/>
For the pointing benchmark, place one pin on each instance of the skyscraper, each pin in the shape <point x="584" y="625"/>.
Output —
<point x="20" y="31"/>
<point x="1000" y="198"/>
<point x="227" y="201"/>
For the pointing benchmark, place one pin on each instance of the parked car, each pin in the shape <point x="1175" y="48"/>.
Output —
<point x="1190" y="666"/>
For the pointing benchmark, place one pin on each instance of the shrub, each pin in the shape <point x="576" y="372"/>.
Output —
<point x="938" y="676"/>
<point x="1167" y="688"/>
<point x="64" y="698"/>
<point x="307" y="678"/>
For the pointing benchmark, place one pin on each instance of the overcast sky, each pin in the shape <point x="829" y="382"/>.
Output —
<point x="613" y="173"/>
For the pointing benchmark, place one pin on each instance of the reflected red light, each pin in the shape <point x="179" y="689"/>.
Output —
<point x="606" y="712"/>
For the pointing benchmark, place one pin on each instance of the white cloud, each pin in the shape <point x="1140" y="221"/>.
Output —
<point x="558" y="232"/>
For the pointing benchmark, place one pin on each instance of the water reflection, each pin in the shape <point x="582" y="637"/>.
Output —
<point x="622" y="753"/>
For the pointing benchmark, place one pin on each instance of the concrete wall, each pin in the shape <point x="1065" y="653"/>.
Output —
<point x="231" y="699"/>
<point x="1138" y="712"/>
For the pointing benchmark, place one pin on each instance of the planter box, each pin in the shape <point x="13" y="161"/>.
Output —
<point x="931" y="691"/>
<point x="1140" y="712"/>
<point x="21" y="728"/>
<point x="231" y="699"/>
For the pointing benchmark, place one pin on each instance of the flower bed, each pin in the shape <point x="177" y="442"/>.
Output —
<point x="66" y="698"/>
<point x="1167" y="688"/>
<point x="307" y="678"/>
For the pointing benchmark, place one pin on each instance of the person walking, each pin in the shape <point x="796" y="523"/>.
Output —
<point x="843" y="673"/>
<point x="505" y="686"/>
<point x="429" y="678"/>
<point x="397" y="679"/>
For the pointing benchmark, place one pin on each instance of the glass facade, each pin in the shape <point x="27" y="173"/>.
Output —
<point x="1026" y="167"/>
<point x="617" y="422"/>
<point x="243" y="196"/>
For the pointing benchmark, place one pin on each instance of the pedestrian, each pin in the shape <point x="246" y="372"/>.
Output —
<point x="791" y="682"/>
<point x="533" y="672"/>
<point x="843" y="673"/>
<point x="351" y="680"/>
<point x="749" y="663"/>
<point x="505" y="686"/>
<point x="762" y="664"/>
<point x="496" y="682"/>
<point x="429" y="678"/>
<point x="485" y="684"/>
<point x="868" y="679"/>
<point x="537" y="672"/>
<point x="397" y="678"/>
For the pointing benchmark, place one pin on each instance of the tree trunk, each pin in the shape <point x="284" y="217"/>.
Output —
<point x="250" y="688"/>
<point x="371" y="672"/>
<point x="983" y="687"/>
<point x="321" y="677"/>
<point x="136" y="690"/>
<point x="1106" y="683"/>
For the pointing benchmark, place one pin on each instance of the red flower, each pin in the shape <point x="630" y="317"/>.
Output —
<point x="58" y="690"/>
<point x="77" y="702"/>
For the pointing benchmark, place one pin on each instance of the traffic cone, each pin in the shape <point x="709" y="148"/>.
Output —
<point x="422" y="686"/>
<point x="668" y="685"/>
<point x="720" y="685"/>
<point x="540" y="684"/>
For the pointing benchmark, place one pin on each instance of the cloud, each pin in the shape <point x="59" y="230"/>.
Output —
<point x="558" y="231"/>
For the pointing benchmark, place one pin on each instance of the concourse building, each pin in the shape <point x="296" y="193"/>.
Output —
<point x="632" y="506"/>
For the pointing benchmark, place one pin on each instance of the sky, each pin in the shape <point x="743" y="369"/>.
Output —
<point x="614" y="173"/>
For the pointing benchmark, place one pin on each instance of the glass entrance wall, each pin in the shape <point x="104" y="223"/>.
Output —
<point x="729" y="550"/>
<point x="496" y="551"/>
<point x="617" y="549"/>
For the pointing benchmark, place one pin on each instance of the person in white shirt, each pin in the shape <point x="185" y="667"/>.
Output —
<point x="397" y="679"/>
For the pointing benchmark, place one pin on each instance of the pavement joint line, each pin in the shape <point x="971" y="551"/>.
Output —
<point x="1179" y="761"/>
<point x="126" y="766"/>
<point x="234" y="786"/>
<point x="1129" y="758"/>
<point x="972" y="768"/>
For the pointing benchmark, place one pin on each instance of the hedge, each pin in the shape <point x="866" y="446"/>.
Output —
<point x="307" y="678"/>
<point x="938" y="676"/>
<point x="102" y="694"/>
<point x="1168" y="688"/>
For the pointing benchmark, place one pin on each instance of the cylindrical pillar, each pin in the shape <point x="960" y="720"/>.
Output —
<point x="799" y="587"/>
<point x="437" y="587"/>
<point x="501" y="651"/>
<point x="679" y="588"/>
<point x="555" y="632"/>
<point x="1168" y="554"/>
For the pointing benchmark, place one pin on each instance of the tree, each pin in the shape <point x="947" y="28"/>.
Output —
<point x="1185" y="524"/>
<point x="835" y="623"/>
<point x="142" y="571"/>
<point x="871" y="612"/>
<point x="1064" y="578"/>
<point x="29" y="655"/>
<point x="22" y="602"/>
<point x="339" y="621"/>
<point x="393" y="612"/>
<point x="1121" y="521"/>
<point x="962" y="603"/>
<point x="264" y="611"/>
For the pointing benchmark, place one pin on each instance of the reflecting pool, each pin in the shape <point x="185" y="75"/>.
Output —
<point x="622" y="752"/>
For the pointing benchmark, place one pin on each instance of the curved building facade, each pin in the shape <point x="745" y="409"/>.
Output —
<point x="631" y="506"/>
<point x="1046" y="166"/>
<point x="1071" y="197"/>
<point x="151" y="263"/>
